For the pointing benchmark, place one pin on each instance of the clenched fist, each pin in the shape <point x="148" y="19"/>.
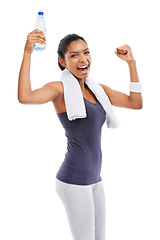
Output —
<point x="124" y="52"/>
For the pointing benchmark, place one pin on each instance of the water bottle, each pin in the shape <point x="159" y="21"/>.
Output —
<point x="40" y="24"/>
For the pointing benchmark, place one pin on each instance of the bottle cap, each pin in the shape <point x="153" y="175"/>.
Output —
<point x="40" y="12"/>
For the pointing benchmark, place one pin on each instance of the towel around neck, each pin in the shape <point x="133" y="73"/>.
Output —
<point x="74" y="101"/>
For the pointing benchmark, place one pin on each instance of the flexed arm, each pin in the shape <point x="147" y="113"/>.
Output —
<point x="25" y="94"/>
<point x="119" y="99"/>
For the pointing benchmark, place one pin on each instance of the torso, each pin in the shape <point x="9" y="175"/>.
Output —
<point x="82" y="162"/>
<point x="59" y="103"/>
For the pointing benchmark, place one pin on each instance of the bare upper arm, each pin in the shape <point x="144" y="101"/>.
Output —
<point x="49" y="92"/>
<point x="118" y="99"/>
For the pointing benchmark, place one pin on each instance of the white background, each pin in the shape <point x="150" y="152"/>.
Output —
<point x="33" y="142"/>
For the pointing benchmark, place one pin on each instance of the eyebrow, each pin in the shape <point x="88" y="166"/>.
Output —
<point x="77" y="52"/>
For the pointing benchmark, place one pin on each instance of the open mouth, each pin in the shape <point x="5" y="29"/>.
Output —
<point x="83" y="69"/>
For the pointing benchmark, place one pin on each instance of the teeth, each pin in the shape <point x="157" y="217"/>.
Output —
<point x="84" y="66"/>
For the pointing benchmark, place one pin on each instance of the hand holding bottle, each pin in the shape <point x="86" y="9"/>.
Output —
<point x="36" y="36"/>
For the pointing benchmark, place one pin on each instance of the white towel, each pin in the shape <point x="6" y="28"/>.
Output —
<point x="74" y="101"/>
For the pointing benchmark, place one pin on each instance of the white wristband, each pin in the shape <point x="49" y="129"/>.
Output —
<point x="135" y="87"/>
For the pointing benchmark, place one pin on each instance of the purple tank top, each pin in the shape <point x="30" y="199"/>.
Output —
<point x="82" y="162"/>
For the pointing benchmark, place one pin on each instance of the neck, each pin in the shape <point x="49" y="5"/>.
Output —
<point x="81" y="83"/>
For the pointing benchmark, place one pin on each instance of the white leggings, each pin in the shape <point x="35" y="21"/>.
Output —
<point x="85" y="208"/>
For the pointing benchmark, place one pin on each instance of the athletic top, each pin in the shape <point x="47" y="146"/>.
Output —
<point x="82" y="162"/>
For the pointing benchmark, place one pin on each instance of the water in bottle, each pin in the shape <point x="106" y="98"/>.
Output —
<point x="40" y="24"/>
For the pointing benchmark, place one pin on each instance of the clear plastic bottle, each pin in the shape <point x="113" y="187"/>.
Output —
<point x="40" y="24"/>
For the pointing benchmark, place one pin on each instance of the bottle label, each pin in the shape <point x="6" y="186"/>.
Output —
<point x="40" y="24"/>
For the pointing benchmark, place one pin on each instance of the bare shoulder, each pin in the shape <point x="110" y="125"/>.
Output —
<point x="106" y="88"/>
<point x="109" y="92"/>
<point x="58" y="87"/>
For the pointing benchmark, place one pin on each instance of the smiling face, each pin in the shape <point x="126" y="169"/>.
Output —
<point x="77" y="59"/>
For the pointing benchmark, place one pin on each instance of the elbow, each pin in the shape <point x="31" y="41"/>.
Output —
<point x="138" y="106"/>
<point x="22" y="100"/>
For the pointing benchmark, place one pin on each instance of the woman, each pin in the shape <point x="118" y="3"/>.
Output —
<point x="78" y="181"/>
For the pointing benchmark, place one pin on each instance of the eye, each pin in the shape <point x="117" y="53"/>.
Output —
<point x="74" y="55"/>
<point x="88" y="52"/>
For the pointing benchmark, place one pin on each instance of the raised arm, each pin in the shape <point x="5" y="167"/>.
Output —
<point x="119" y="99"/>
<point x="25" y="94"/>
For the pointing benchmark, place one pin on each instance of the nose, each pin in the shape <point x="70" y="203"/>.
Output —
<point x="83" y="60"/>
